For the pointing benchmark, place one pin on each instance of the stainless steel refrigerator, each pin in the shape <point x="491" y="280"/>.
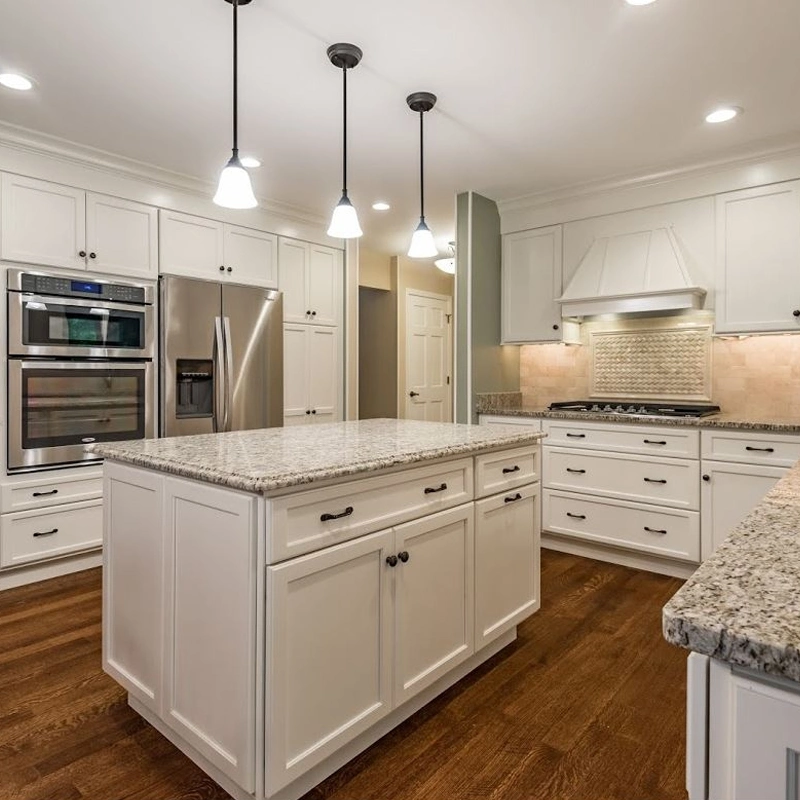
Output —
<point x="221" y="357"/>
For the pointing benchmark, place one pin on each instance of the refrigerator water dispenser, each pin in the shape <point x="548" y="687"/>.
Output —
<point x="195" y="388"/>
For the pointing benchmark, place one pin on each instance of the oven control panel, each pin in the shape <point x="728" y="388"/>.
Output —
<point x="70" y="287"/>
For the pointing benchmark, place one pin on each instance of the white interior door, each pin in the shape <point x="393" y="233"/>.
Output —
<point x="428" y="357"/>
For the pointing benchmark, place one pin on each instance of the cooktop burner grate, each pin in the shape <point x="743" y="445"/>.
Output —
<point x="638" y="409"/>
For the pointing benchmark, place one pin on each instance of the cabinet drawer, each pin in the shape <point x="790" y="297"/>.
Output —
<point x="519" y="422"/>
<point x="751" y="447"/>
<point x="636" y="439"/>
<point x="307" y="521"/>
<point x="665" y="481"/>
<point x="498" y="472"/>
<point x="668" y="533"/>
<point x="39" y="493"/>
<point x="28" y="536"/>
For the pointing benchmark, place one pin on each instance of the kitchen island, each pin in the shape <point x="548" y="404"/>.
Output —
<point x="275" y="601"/>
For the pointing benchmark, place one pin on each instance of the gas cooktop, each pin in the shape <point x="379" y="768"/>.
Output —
<point x="636" y="408"/>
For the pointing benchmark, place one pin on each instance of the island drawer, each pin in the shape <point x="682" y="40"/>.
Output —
<point x="664" y="481"/>
<point x="669" y="533"/>
<point x="498" y="472"/>
<point x="28" y="536"/>
<point x="306" y="521"/>
<point x="22" y="495"/>
<point x="637" y="439"/>
<point x="751" y="447"/>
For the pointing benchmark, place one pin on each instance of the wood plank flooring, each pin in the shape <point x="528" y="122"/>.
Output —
<point x="587" y="704"/>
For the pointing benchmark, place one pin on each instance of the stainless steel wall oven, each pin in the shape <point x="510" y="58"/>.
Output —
<point x="80" y="366"/>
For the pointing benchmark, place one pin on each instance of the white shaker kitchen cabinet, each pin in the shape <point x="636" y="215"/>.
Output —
<point x="292" y="278"/>
<point x="329" y="652"/>
<point x="531" y="284"/>
<point x="310" y="277"/>
<point x="758" y="259"/>
<point x="191" y="246"/>
<point x="42" y="223"/>
<point x="210" y="579"/>
<point x="250" y="256"/>
<point x="434" y="598"/>
<point x="730" y="492"/>
<point x="121" y="237"/>
<point x="507" y="568"/>
<point x="295" y="374"/>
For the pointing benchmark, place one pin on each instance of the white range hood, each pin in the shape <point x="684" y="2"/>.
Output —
<point x="632" y="273"/>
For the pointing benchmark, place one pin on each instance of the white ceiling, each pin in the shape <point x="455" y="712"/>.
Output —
<point x="533" y="94"/>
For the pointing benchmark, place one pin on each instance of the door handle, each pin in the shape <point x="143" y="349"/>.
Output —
<point x="227" y="422"/>
<point x="413" y="394"/>
<point x="219" y="377"/>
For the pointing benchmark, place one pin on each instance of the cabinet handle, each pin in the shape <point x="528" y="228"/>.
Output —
<point x="654" y="441"/>
<point x="509" y="470"/>
<point x="576" y="471"/>
<point x="391" y="561"/>
<point x="760" y="449"/>
<point x="346" y="513"/>
<point x="82" y="253"/>
<point x="222" y="268"/>
<point x="576" y="516"/>
<point x="45" y="494"/>
<point x="555" y="327"/>
<point x="404" y="556"/>
<point x="46" y="533"/>
<point x="430" y="490"/>
<point x="576" y="435"/>
<point x="706" y="478"/>
<point x="655" y="530"/>
<point x="92" y="255"/>
<point x="513" y="499"/>
<point x="313" y="313"/>
<point x="308" y="411"/>
<point x="230" y="269"/>
<point x="654" y="480"/>
<point x="308" y="313"/>
<point x="796" y="312"/>
<point x="313" y="410"/>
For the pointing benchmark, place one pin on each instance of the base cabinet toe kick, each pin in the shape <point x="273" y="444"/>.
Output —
<point x="272" y="639"/>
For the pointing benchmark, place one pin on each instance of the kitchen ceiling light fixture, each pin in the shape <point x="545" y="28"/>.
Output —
<point x="381" y="206"/>
<point x="723" y="114"/>
<point x="234" y="189"/>
<point x="13" y="80"/>
<point x="344" y="222"/>
<point x="250" y="162"/>
<point x="448" y="265"/>
<point x="422" y="244"/>
<point x="639" y="2"/>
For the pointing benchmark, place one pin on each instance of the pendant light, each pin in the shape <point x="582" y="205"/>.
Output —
<point x="422" y="244"/>
<point x="448" y="265"/>
<point x="344" y="222"/>
<point x="234" y="189"/>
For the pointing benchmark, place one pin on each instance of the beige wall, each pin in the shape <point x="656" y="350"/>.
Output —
<point x="374" y="269"/>
<point x="377" y="349"/>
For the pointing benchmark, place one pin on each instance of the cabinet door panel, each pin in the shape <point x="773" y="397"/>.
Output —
<point x="506" y="561"/>
<point x="434" y="599"/>
<point x="329" y="652"/>
<point x="122" y="235"/>
<point x="210" y="631"/>
<point x="292" y="278"/>
<point x="324" y="285"/>
<point x="295" y="374"/>
<point x="42" y="223"/>
<point x="252" y="256"/>
<point x="190" y="245"/>
<point x="323" y="372"/>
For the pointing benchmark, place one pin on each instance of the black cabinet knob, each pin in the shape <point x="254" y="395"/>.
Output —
<point x="404" y="556"/>
<point x="313" y="313"/>
<point x="308" y="411"/>
<point x="706" y="478"/>
<point x="308" y="313"/>
<point x="92" y="255"/>
<point x="222" y="269"/>
<point x="391" y="561"/>
<point x="556" y="327"/>
<point x="82" y="254"/>
<point x="313" y="410"/>
<point x="230" y="269"/>
<point x="796" y="312"/>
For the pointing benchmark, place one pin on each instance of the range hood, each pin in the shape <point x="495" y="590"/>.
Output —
<point x="632" y="273"/>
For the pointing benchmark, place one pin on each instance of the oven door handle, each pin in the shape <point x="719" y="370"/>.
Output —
<point x="81" y="302"/>
<point x="217" y="420"/>
<point x="228" y="419"/>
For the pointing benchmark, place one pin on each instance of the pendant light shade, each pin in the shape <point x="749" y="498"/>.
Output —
<point x="235" y="189"/>
<point x="344" y="222"/>
<point x="422" y="244"/>
<point x="448" y="265"/>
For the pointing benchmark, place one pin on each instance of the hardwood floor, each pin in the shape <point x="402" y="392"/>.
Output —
<point x="587" y="704"/>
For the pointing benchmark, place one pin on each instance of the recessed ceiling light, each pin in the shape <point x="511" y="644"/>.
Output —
<point x="639" y="2"/>
<point x="381" y="206"/>
<point x="11" y="80"/>
<point x="250" y="162"/>
<point x="723" y="114"/>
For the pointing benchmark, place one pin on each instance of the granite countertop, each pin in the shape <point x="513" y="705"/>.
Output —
<point x="743" y="604"/>
<point x="276" y="458"/>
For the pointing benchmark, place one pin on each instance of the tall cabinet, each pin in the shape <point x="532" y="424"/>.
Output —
<point x="310" y="277"/>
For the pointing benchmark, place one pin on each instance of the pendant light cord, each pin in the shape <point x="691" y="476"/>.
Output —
<point x="421" y="172"/>
<point x="344" y="131"/>
<point x="235" y="78"/>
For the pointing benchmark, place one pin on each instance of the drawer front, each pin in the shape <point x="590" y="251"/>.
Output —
<point x="39" y="493"/>
<point x="751" y="447"/>
<point x="498" y="472"/>
<point x="519" y="422"/>
<point x="635" y="439"/>
<point x="29" y="536"/>
<point x="307" y="521"/>
<point x="666" y="481"/>
<point x="668" y="533"/>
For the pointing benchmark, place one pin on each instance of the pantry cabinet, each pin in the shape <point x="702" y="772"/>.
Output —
<point x="310" y="277"/>
<point x="312" y="374"/>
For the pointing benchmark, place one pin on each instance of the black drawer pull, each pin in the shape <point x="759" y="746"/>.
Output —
<point x="653" y="441"/>
<point x="576" y="516"/>
<point x="46" y="533"/>
<point x="576" y="471"/>
<point x="654" y="480"/>
<point x="655" y="530"/>
<point x="508" y="470"/>
<point x="346" y="513"/>
<point x="576" y="435"/>
<point x="760" y="449"/>
<point x="513" y="499"/>
<point x="430" y="490"/>
<point x="45" y="494"/>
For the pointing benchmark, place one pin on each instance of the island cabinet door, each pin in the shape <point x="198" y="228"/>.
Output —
<point x="210" y="627"/>
<point x="329" y="652"/>
<point x="507" y="531"/>
<point x="434" y="599"/>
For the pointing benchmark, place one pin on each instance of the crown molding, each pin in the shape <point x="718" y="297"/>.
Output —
<point x="26" y="140"/>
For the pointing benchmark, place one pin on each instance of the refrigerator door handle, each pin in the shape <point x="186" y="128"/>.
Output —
<point x="219" y="376"/>
<point x="227" y="422"/>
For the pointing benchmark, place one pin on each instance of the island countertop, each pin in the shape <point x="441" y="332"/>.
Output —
<point x="743" y="605"/>
<point x="276" y="458"/>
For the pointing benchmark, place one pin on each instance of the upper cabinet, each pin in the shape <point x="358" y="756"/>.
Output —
<point x="758" y="259"/>
<point x="58" y="226"/>
<point x="531" y="277"/>
<point x="310" y="277"/>
<point x="204" y="248"/>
